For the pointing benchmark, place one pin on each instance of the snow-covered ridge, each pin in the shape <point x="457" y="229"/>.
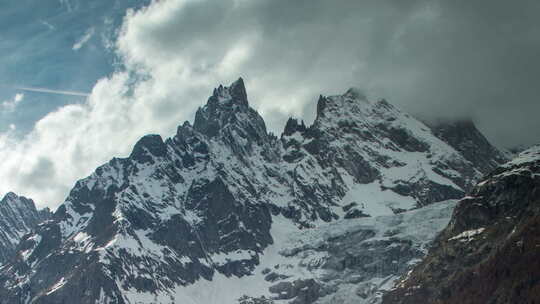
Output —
<point x="18" y="216"/>
<point x="206" y="205"/>
<point x="527" y="162"/>
<point x="530" y="155"/>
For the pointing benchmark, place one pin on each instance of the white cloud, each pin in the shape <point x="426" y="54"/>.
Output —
<point x="84" y="39"/>
<point x="175" y="51"/>
<point x="11" y="104"/>
<point x="183" y="49"/>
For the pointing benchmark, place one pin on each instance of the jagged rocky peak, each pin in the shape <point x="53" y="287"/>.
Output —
<point x="18" y="216"/>
<point x="376" y="143"/>
<point x="336" y="104"/>
<point x="18" y="203"/>
<point x="463" y="136"/>
<point x="353" y="110"/>
<point x="227" y="114"/>
<point x="294" y="125"/>
<point x="235" y="93"/>
<point x="45" y="214"/>
<point x="11" y="197"/>
<point x="148" y="146"/>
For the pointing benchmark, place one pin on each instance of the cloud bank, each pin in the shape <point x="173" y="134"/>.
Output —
<point x="432" y="58"/>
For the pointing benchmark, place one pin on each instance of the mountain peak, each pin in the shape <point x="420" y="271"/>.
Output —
<point x="293" y="125"/>
<point x="13" y="198"/>
<point x="18" y="216"/>
<point x="463" y="136"/>
<point x="147" y="146"/>
<point x="10" y="196"/>
<point x="238" y="91"/>
<point x="228" y="106"/>
<point x="352" y="98"/>
<point x="234" y="94"/>
<point x="355" y="93"/>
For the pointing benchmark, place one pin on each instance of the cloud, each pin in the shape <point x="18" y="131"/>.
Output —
<point x="84" y="39"/>
<point x="11" y="104"/>
<point x="434" y="58"/>
<point x="39" y="174"/>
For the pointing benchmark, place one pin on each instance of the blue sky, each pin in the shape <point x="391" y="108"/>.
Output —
<point x="60" y="45"/>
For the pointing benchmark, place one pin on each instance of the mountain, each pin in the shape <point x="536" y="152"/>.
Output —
<point x="18" y="216"/>
<point x="224" y="210"/>
<point x="463" y="136"/>
<point x="490" y="252"/>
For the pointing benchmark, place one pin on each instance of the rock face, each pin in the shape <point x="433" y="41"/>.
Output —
<point x="463" y="136"/>
<point x="214" y="206"/>
<point x="18" y="216"/>
<point x="490" y="252"/>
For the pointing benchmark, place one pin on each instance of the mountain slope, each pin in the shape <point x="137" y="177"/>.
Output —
<point x="374" y="147"/>
<point x="218" y="201"/>
<point x="18" y="216"/>
<point x="489" y="253"/>
<point x="463" y="136"/>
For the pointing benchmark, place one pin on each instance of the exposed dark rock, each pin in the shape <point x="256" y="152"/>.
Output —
<point x="355" y="213"/>
<point x="489" y="252"/>
<point x="463" y="136"/>
<point x="292" y="126"/>
<point x="18" y="216"/>
<point x="349" y="206"/>
<point x="148" y="147"/>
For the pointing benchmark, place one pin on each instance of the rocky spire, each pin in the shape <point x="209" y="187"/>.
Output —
<point x="228" y="108"/>
<point x="18" y="216"/>
<point x="238" y="93"/>
<point x="147" y="147"/>
<point x="293" y="125"/>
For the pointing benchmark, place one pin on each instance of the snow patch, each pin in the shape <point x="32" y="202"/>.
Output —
<point x="468" y="235"/>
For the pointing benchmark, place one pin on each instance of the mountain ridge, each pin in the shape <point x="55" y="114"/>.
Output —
<point x="204" y="204"/>
<point x="18" y="216"/>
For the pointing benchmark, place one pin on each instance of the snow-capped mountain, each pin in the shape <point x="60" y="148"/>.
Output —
<point x="224" y="210"/>
<point x="463" y="136"/>
<point x="490" y="252"/>
<point x="18" y="216"/>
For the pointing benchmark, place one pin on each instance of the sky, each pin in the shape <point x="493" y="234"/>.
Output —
<point x="81" y="81"/>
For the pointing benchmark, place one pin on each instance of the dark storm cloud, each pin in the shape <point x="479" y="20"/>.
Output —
<point x="473" y="59"/>
<point x="436" y="59"/>
<point x="477" y="59"/>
